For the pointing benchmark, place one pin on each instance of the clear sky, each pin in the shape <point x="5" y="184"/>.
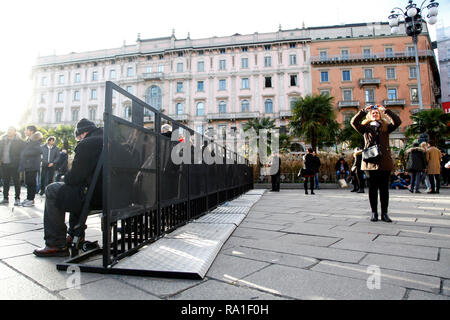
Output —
<point x="29" y="28"/>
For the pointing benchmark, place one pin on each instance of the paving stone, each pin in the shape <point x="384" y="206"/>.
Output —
<point x="225" y="266"/>
<point x="257" y="234"/>
<point x="424" y="235"/>
<point x="335" y="222"/>
<point x="13" y="227"/>
<point x="16" y="250"/>
<point x="6" y="272"/>
<point x="308" y="240"/>
<point x="20" y="288"/>
<point x="391" y="249"/>
<point x="391" y="277"/>
<point x="271" y="257"/>
<point x="106" y="289"/>
<point x="420" y="295"/>
<point x="9" y="242"/>
<point x="414" y="241"/>
<point x="320" y="230"/>
<point x="426" y="267"/>
<point x="310" y="285"/>
<point x="215" y="290"/>
<point x="262" y="226"/>
<point x="43" y="271"/>
<point x="446" y="287"/>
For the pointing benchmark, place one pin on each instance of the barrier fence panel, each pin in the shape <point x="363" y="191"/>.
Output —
<point x="147" y="194"/>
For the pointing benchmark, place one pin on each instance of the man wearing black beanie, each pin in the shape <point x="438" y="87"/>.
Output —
<point x="67" y="196"/>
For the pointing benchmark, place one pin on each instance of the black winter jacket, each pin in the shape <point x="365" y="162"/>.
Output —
<point x="30" y="158"/>
<point x="17" y="145"/>
<point x="87" y="154"/>
<point x="416" y="159"/>
<point x="54" y="155"/>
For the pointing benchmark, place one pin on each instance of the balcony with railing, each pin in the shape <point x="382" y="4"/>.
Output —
<point x="348" y="104"/>
<point x="180" y="117"/>
<point x="220" y="116"/>
<point x="369" y="81"/>
<point x="246" y="115"/>
<point x="285" y="113"/>
<point x="394" y="103"/>
<point x="153" y="76"/>
<point x="388" y="56"/>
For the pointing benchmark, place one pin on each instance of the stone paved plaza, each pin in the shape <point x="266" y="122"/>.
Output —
<point x="290" y="246"/>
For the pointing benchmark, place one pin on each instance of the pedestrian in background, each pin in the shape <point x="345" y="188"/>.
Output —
<point x="309" y="170"/>
<point x="434" y="158"/>
<point x="275" y="170"/>
<point x="376" y="123"/>
<point x="416" y="164"/>
<point x="425" y="178"/>
<point x="358" y="174"/>
<point x="63" y="162"/>
<point x="30" y="162"/>
<point x="341" y="167"/>
<point x="444" y="171"/>
<point x="50" y="156"/>
<point x="317" y="166"/>
<point x="11" y="146"/>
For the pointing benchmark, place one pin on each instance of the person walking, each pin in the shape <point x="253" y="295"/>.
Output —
<point x="416" y="163"/>
<point x="309" y="170"/>
<point x="275" y="171"/>
<point x="358" y="174"/>
<point x="30" y="162"/>
<point x="11" y="146"/>
<point x="444" y="171"/>
<point x="317" y="166"/>
<point x="376" y="123"/>
<point x="434" y="158"/>
<point x="50" y="156"/>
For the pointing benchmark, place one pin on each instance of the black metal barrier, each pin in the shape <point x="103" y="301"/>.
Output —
<point x="145" y="193"/>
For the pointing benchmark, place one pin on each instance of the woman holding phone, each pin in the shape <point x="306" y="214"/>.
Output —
<point x="375" y="123"/>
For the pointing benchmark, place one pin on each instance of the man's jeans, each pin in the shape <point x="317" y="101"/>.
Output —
<point x="416" y="176"/>
<point x="338" y="175"/>
<point x="316" y="180"/>
<point x="55" y="229"/>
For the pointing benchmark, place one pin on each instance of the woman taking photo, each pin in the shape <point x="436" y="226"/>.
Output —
<point x="376" y="123"/>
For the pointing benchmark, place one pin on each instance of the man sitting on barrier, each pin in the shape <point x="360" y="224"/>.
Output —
<point x="68" y="196"/>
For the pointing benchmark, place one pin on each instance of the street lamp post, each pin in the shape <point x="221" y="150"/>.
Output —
<point x="413" y="24"/>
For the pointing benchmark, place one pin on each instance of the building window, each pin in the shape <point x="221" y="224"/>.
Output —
<point x="267" y="61"/>
<point x="148" y="69"/>
<point x="179" y="108"/>
<point x="367" y="53"/>
<point x="412" y="72"/>
<point x="267" y="82"/>
<point x="76" y="96"/>
<point x="127" y="113"/>
<point x="347" y="94"/>
<point x="179" y="87"/>
<point x="345" y="54"/>
<point x="153" y="97"/>
<point x="77" y="77"/>
<point x="346" y="75"/>
<point x="292" y="104"/>
<point x="180" y="67"/>
<point x="94" y="76"/>
<point x="414" y="95"/>
<point x="267" y="47"/>
<point x="75" y="113"/>
<point x="200" y="109"/>
<point x="161" y="68"/>
<point x="325" y="92"/>
<point x="200" y="86"/>
<point x="221" y="130"/>
<point x="61" y="79"/>
<point x="222" y="64"/>
<point x="222" y="84"/>
<point x="292" y="59"/>
<point x="180" y="54"/>
<point x="392" y="94"/>
<point x="390" y="73"/>
<point x="323" y="76"/>
<point x="245" y="83"/>
<point x="130" y="72"/>
<point x="411" y="51"/>
<point x="369" y="95"/>
<point x="292" y="45"/>
<point x="368" y="74"/>
<point x="58" y="115"/>
<point x="130" y="89"/>
<point x="200" y="66"/>
<point x="43" y="81"/>
<point x="60" y="97"/>
<point x="245" y="106"/>
<point x="294" y="80"/>
<point x="389" y="52"/>
<point x="41" y="116"/>
<point x="323" y="55"/>
<point x="200" y="129"/>
<point x="244" y="49"/>
<point x="244" y="63"/>
<point x="42" y="98"/>
<point x="222" y="51"/>
<point x="222" y="107"/>
<point x="112" y="74"/>
<point x="93" y="94"/>
<point x="268" y="106"/>
<point x="92" y="113"/>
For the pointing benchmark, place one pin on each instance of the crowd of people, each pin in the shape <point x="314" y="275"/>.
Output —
<point x="31" y="161"/>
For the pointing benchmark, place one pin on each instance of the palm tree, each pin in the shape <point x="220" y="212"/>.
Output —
<point x="257" y="124"/>
<point x="433" y="121"/>
<point x="313" y="118"/>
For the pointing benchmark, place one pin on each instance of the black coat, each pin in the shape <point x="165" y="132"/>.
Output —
<point x="310" y="165"/>
<point x="62" y="164"/>
<point x="54" y="155"/>
<point x="416" y="159"/>
<point x="338" y="166"/>
<point x="30" y="157"/>
<point x="87" y="154"/>
<point x="317" y="164"/>
<point x="16" y="148"/>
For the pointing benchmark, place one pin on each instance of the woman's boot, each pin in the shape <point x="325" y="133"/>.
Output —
<point x="374" y="217"/>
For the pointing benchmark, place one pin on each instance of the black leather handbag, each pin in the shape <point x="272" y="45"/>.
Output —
<point x="372" y="154"/>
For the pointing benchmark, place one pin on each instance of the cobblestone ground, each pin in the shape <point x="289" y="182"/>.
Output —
<point x="290" y="246"/>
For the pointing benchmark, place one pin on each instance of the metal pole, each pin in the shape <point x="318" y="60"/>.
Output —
<point x="419" y="83"/>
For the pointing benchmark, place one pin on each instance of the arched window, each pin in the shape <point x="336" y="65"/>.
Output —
<point x="292" y="103"/>
<point x="153" y="97"/>
<point x="127" y="113"/>
<point x="268" y="106"/>
<point x="179" y="108"/>
<point x="245" y="106"/>
<point x="222" y="107"/>
<point x="200" y="109"/>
